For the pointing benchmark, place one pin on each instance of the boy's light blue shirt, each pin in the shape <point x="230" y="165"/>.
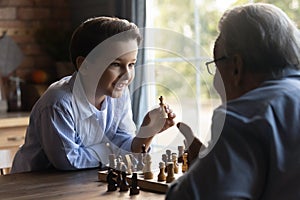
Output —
<point x="67" y="132"/>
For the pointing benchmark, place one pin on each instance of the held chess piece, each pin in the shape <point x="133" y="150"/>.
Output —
<point x="164" y="113"/>
<point x="161" y="176"/>
<point x="170" y="176"/>
<point x="110" y="179"/>
<point x="134" y="188"/>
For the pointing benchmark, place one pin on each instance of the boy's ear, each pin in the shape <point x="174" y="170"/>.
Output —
<point x="79" y="61"/>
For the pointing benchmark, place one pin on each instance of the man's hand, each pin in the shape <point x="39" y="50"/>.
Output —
<point x="192" y="143"/>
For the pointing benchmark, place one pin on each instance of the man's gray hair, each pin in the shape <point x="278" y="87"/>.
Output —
<point x="264" y="35"/>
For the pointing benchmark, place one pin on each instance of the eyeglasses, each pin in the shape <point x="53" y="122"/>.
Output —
<point x="212" y="68"/>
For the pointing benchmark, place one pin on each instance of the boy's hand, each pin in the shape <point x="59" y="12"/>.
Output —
<point x="155" y="121"/>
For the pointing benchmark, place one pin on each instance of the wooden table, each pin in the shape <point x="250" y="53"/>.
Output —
<point x="57" y="185"/>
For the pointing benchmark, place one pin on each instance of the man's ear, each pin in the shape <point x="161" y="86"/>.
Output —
<point x="238" y="68"/>
<point x="79" y="61"/>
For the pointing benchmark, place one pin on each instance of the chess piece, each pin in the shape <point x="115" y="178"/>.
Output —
<point x="112" y="161"/>
<point x="112" y="184"/>
<point x="140" y="164"/>
<point x="128" y="163"/>
<point x="133" y="163"/>
<point x="174" y="160"/>
<point x="147" y="168"/>
<point x="119" y="178"/>
<point x="119" y="163"/>
<point x="164" y="113"/>
<point x="180" y="153"/>
<point x="161" y="176"/>
<point x="165" y="159"/>
<point x="124" y="186"/>
<point x="185" y="162"/>
<point x="168" y="152"/>
<point x="143" y="149"/>
<point x="134" y="188"/>
<point x="170" y="176"/>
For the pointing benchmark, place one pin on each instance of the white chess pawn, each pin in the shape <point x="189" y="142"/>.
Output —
<point x="147" y="168"/>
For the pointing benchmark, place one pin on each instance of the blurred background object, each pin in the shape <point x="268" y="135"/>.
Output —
<point x="11" y="57"/>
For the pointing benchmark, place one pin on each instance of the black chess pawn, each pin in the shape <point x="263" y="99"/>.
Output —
<point x="134" y="188"/>
<point x="112" y="184"/>
<point x="124" y="186"/>
<point x="143" y="148"/>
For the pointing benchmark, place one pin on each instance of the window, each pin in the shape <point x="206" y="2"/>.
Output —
<point x="180" y="36"/>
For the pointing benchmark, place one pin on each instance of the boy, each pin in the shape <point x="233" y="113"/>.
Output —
<point x="72" y="123"/>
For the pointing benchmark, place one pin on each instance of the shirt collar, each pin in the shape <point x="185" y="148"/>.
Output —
<point x="79" y="100"/>
<point x="288" y="71"/>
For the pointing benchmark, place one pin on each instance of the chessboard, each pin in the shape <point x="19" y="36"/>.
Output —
<point x="151" y="185"/>
<point x="170" y="168"/>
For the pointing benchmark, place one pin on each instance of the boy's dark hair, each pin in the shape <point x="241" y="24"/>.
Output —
<point x="95" y="30"/>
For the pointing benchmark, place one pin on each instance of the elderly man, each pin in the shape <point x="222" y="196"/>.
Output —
<point x="255" y="151"/>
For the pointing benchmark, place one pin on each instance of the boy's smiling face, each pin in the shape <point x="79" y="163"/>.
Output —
<point x="108" y="70"/>
<point x="118" y="75"/>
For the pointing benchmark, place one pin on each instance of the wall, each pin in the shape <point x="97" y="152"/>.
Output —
<point x="21" y="19"/>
